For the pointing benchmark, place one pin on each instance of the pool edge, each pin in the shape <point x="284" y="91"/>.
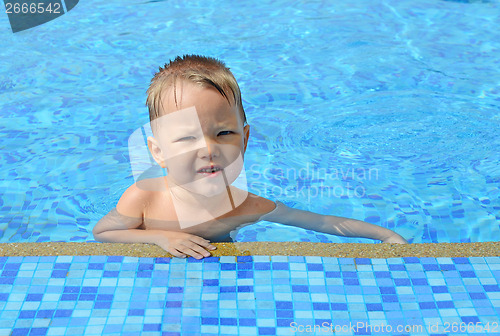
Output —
<point x="350" y="250"/>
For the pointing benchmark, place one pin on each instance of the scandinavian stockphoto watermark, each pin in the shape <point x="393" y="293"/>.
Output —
<point x="310" y="182"/>
<point x="384" y="329"/>
<point x="26" y="14"/>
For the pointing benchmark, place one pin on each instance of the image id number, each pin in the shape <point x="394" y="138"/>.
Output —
<point x="33" y="8"/>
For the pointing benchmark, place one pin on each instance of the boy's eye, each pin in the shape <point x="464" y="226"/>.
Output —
<point x="187" y="138"/>
<point x="225" y="133"/>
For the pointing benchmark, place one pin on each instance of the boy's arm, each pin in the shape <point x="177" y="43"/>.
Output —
<point x="119" y="228"/>
<point x="338" y="226"/>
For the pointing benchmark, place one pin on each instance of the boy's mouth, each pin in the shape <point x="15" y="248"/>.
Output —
<point x="210" y="170"/>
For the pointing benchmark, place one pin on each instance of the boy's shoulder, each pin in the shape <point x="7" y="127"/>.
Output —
<point x="135" y="199"/>
<point x="258" y="205"/>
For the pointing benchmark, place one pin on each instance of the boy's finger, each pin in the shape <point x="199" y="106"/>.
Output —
<point x="196" y="249"/>
<point x="203" y="242"/>
<point x="176" y="253"/>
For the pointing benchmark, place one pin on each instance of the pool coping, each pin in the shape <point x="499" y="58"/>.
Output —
<point x="347" y="250"/>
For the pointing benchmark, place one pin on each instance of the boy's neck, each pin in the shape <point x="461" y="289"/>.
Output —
<point x="193" y="209"/>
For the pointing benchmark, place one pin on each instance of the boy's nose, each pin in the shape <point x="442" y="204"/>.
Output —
<point x="210" y="150"/>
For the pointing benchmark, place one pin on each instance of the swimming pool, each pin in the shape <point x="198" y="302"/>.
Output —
<point x="390" y="110"/>
<point x="380" y="111"/>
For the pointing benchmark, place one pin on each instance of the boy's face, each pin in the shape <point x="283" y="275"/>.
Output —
<point x="200" y="140"/>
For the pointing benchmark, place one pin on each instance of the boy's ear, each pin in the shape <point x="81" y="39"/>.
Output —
<point x="246" y="133"/>
<point x="155" y="150"/>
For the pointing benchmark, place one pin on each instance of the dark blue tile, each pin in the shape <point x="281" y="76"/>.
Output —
<point x="284" y="313"/>
<point x="427" y="305"/>
<point x="244" y="266"/>
<point x="445" y="304"/>
<point x="20" y="332"/>
<point x="69" y="297"/>
<point x="467" y="274"/>
<point x="71" y="289"/>
<point x="284" y="305"/>
<point x="419" y="282"/>
<point x="411" y="260"/>
<point x="332" y="274"/>
<point x="469" y="319"/>
<point x="102" y="305"/>
<point x="34" y="297"/>
<point x="267" y="331"/>
<point x="461" y="260"/>
<point x="151" y="327"/>
<point x="382" y="274"/>
<point x="244" y="259"/>
<point x="227" y="267"/>
<point x="447" y="267"/>
<point x="374" y="307"/>
<point x="110" y="274"/>
<point x="162" y="260"/>
<point x="397" y="267"/>
<point x="349" y="274"/>
<point x="38" y="331"/>
<point x="7" y="281"/>
<point x="228" y="321"/>
<point x="45" y="313"/>
<point x="115" y="259"/>
<point x="280" y="266"/>
<point x="387" y="290"/>
<point x="245" y="289"/>
<point x="4" y="296"/>
<point x="144" y="274"/>
<point x="245" y="274"/>
<point x="59" y="274"/>
<point x="321" y="306"/>
<point x="315" y="267"/>
<point x="62" y="266"/>
<point x="491" y="288"/>
<point x="27" y="314"/>
<point x="402" y="282"/>
<point x="96" y="266"/>
<point x="247" y="322"/>
<point x="136" y="312"/>
<point x="211" y="282"/>
<point x="390" y="298"/>
<point x="339" y="306"/>
<point x="210" y="321"/>
<point x="363" y="261"/>
<point x="87" y="297"/>
<point x="431" y="267"/>
<point x="351" y="282"/>
<point x="300" y="288"/>
<point x="478" y="296"/>
<point x="284" y="322"/>
<point x="439" y="289"/>
<point x="146" y="267"/>
<point x="175" y="290"/>
<point x="173" y="304"/>
<point x="262" y="266"/>
<point x="226" y="289"/>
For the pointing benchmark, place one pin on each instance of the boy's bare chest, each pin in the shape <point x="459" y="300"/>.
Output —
<point x="160" y="214"/>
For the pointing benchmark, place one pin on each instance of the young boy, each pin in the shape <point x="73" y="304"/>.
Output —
<point x="200" y="137"/>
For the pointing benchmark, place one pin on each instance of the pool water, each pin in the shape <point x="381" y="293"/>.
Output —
<point x="381" y="111"/>
<point x="384" y="111"/>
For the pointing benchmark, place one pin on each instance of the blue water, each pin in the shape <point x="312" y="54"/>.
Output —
<point x="390" y="109"/>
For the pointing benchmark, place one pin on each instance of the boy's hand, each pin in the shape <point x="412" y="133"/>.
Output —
<point x="395" y="239"/>
<point x="181" y="244"/>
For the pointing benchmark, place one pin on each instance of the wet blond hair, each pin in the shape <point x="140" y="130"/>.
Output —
<point x="205" y="71"/>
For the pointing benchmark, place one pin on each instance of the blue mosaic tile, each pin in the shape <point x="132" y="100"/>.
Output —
<point x="267" y="298"/>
